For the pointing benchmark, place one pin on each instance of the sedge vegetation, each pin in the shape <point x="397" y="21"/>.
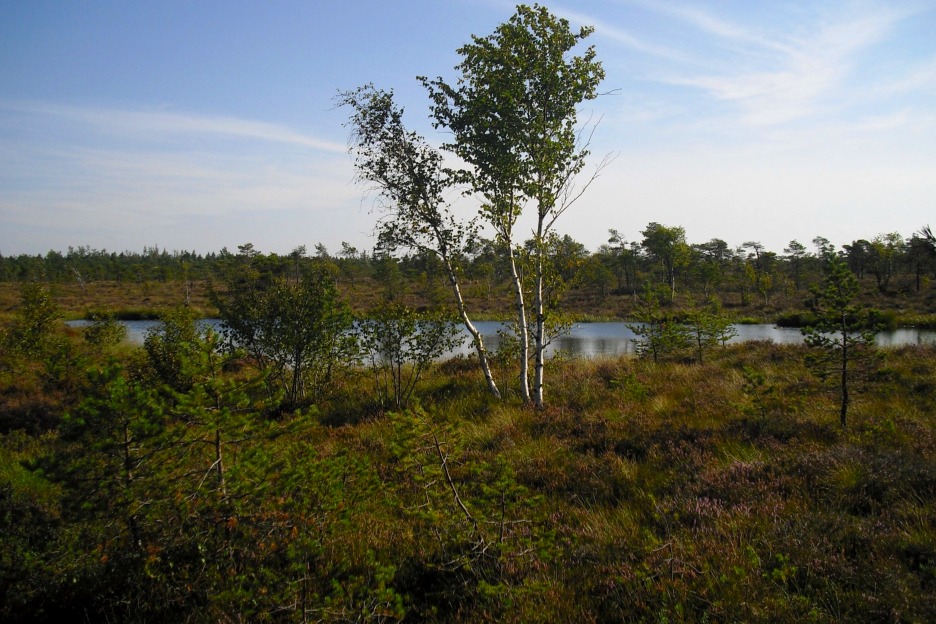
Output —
<point x="162" y="484"/>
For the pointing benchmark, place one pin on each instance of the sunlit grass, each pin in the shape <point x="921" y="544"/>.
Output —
<point x="725" y="491"/>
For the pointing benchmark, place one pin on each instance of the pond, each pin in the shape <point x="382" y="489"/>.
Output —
<point x="615" y="338"/>
<point x="607" y="339"/>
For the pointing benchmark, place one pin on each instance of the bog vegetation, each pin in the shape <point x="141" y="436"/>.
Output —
<point x="316" y="461"/>
<point x="185" y="480"/>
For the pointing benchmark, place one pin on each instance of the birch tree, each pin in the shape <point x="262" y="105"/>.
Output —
<point x="408" y="176"/>
<point x="513" y="115"/>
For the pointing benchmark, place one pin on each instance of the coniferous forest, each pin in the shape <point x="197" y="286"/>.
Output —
<point x="317" y="459"/>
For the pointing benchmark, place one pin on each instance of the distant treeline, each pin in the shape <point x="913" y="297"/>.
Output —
<point x="660" y="256"/>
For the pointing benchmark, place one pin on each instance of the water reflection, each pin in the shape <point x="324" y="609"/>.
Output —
<point x="611" y="339"/>
<point x="905" y="336"/>
<point x="606" y="339"/>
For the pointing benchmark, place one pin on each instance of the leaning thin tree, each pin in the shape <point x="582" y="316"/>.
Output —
<point x="513" y="114"/>
<point x="408" y="176"/>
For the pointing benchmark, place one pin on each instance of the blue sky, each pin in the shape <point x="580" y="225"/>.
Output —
<point x="202" y="125"/>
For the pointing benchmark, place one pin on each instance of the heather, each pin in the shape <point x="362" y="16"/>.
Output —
<point x="170" y="483"/>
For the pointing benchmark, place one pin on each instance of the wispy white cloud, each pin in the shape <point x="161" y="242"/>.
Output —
<point x="180" y="183"/>
<point x="114" y="197"/>
<point x="709" y="24"/>
<point x="783" y="77"/>
<point x="890" y="121"/>
<point x="625" y="38"/>
<point x="135" y="123"/>
<point x="92" y="174"/>
<point x="918" y="77"/>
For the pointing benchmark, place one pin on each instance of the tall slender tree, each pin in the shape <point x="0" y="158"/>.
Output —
<point x="408" y="177"/>
<point x="513" y="114"/>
